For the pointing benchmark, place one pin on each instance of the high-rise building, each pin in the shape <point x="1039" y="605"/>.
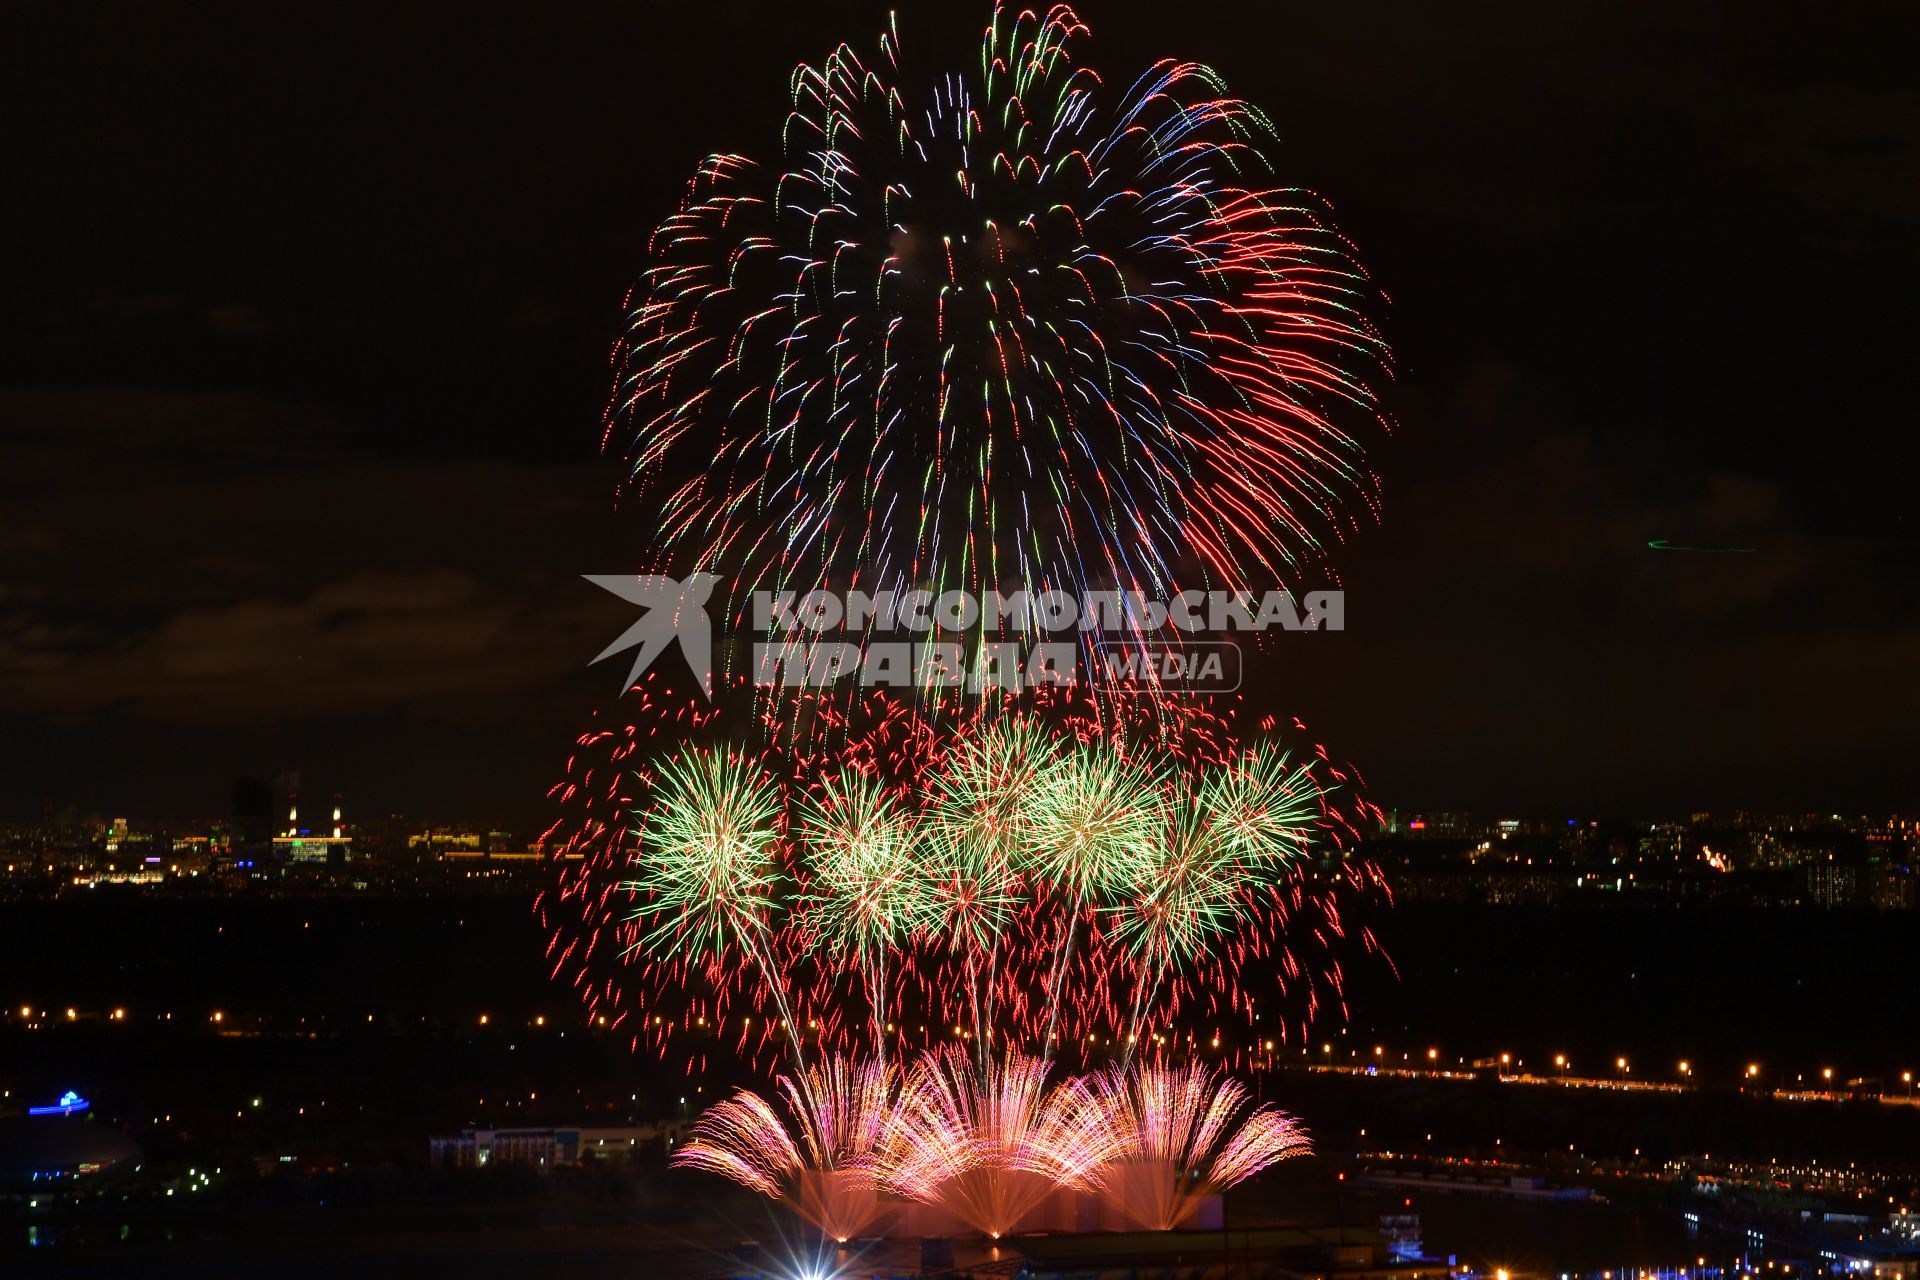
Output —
<point x="305" y="841"/>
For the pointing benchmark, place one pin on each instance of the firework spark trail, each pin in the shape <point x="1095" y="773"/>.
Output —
<point x="1026" y="328"/>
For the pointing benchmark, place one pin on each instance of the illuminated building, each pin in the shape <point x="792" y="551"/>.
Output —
<point x="328" y="845"/>
<point x="545" y="1147"/>
<point x="59" y="1141"/>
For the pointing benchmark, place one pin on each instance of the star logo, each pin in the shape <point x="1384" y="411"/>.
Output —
<point x="676" y="614"/>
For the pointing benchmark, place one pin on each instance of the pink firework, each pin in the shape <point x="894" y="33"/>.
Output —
<point x="1169" y="1137"/>
<point x="826" y="1150"/>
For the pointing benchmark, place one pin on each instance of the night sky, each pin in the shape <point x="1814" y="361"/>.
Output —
<point x="306" y="326"/>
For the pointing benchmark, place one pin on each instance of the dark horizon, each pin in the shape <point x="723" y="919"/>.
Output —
<point x="304" y="372"/>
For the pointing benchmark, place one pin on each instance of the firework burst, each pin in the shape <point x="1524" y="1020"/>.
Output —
<point x="706" y="867"/>
<point x="1021" y="327"/>
<point x="868" y="891"/>
<point x="1019" y="883"/>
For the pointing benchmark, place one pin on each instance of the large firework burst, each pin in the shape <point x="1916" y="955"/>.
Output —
<point x="1008" y="327"/>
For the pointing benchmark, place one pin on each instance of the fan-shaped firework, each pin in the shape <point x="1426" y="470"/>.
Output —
<point x="987" y="1144"/>
<point x="1175" y="1135"/>
<point x="827" y="1155"/>
<point x="1005" y="327"/>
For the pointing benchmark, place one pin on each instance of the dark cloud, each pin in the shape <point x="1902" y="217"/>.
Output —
<point x="220" y="563"/>
<point x="362" y="646"/>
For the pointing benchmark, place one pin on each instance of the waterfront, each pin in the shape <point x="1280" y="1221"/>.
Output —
<point x="264" y="1045"/>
